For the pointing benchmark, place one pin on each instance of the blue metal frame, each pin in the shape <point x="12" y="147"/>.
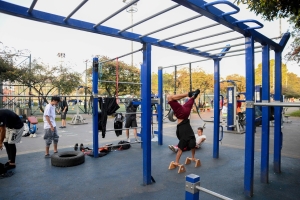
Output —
<point x="265" y="130"/>
<point x="260" y="25"/>
<point x="230" y="107"/>
<point x="192" y="179"/>
<point x="95" y="107"/>
<point x="215" y="14"/>
<point x="40" y="16"/>
<point x="160" y="106"/>
<point x="147" y="113"/>
<point x="250" y="116"/>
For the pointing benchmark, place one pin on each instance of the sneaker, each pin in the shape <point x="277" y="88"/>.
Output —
<point x="137" y="140"/>
<point x="128" y="139"/>
<point x="9" y="167"/>
<point x="61" y="127"/>
<point x="64" y="127"/>
<point x="76" y="147"/>
<point x="33" y="135"/>
<point x="26" y="135"/>
<point x="47" y="156"/>
<point x="171" y="147"/>
<point x="192" y="93"/>
<point x="81" y="148"/>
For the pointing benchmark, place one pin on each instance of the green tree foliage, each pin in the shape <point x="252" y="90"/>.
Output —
<point x="126" y="73"/>
<point x="290" y="81"/>
<point x="239" y="80"/>
<point x="272" y="9"/>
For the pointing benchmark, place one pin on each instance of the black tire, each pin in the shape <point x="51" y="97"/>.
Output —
<point x="67" y="159"/>
<point x="171" y="116"/>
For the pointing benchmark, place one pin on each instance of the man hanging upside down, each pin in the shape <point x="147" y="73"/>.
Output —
<point x="184" y="132"/>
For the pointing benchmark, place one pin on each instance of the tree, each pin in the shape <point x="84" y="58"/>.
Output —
<point x="272" y="9"/>
<point x="126" y="73"/>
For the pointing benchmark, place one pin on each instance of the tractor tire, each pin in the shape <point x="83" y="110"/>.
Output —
<point x="171" y="116"/>
<point x="67" y="159"/>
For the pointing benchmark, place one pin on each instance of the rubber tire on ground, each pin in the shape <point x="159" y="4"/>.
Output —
<point x="67" y="158"/>
<point x="171" y="116"/>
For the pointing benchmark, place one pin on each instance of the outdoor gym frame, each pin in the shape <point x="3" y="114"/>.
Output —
<point x="223" y="18"/>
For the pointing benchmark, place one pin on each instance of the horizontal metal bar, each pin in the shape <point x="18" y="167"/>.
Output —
<point x="192" y="31"/>
<point x="120" y="82"/>
<point x="42" y="96"/>
<point x="232" y="51"/>
<point x="109" y="130"/>
<point x="281" y="104"/>
<point x="32" y="6"/>
<point x="138" y="98"/>
<point x="150" y="17"/>
<point x="121" y="56"/>
<point x="75" y="10"/>
<point x="227" y="40"/>
<point x="209" y="59"/>
<point x="212" y="193"/>
<point x="172" y="25"/>
<point x="129" y="113"/>
<point x="209" y="36"/>
<point x="117" y="12"/>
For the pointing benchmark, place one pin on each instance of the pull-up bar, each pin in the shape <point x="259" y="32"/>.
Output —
<point x="281" y="104"/>
<point x="75" y="10"/>
<point x="209" y="36"/>
<point x="117" y="12"/>
<point x="210" y="59"/>
<point x="227" y="40"/>
<point x="232" y="51"/>
<point x="192" y="31"/>
<point x="32" y="6"/>
<point x="172" y="25"/>
<point x="152" y="16"/>
<point x="121" y="56"/>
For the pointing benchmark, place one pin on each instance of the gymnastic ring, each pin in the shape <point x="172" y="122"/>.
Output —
<point x="171" y="116"/>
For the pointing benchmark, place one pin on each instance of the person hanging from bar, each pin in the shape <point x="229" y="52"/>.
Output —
<point x="184" y="132"/>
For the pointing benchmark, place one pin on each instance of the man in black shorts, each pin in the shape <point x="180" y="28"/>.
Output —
<point x="184" y="132"/>
<point x="131" y="119"/>
<point x="11" y="130"/>
<point x="63" y="109"/>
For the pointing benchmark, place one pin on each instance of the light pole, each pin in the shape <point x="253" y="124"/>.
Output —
<point x="132" y="9"/>
<point x="61" y="56"/>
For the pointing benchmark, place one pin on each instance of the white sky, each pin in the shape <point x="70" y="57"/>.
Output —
<point x="44" y="41"/>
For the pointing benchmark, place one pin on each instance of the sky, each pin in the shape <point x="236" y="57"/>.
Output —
<point x="44" y="41"/>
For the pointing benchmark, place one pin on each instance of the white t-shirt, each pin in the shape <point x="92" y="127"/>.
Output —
<point x="224" y="110"/>
<point x="199" y="138"/>
<point x="49" y="111"/>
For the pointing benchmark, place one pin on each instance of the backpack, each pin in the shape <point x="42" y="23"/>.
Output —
<point x="124" y="147"/>
<point x="118" y="123"/>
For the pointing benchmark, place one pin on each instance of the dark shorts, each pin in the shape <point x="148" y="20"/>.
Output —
<point x="63" y="115"/>
<point x="188" y="143"/>
<point x="130" y="122"/>
<point x="182" y="111"/>
<point x="50" y="136"/>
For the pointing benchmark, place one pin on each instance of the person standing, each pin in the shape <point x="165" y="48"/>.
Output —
<point x="63" y="109"/>
<point x="11" y="130"/>
<point x="130" y="119"/>
<point x="50" y="125"/>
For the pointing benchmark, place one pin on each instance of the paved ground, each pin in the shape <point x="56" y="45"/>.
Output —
<point x="119" y="174"/>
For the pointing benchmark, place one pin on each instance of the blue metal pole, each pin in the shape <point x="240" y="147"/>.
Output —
<point x="95" y="107"/>
<point x="160" y="106"/>
<point x="277" y="113"/>
<point x="216" y="107"/>
<point x="265" y="129"/>
<point x="147" y="113"/>
<point x="191" y="193"/>
<point x="250" y="116"/>
<point x="230" y="107"/>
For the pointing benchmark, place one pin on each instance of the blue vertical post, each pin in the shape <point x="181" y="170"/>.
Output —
<point x="216" y="107"/>
<point x="250" y="116"/>
<point x="160" y="106"/>
<point x="95" y="107"/>
<point x="191" y="181"/>
<point x="147" y="113"/>
<point x="230" y="106"/>
<point x="265" y="129"/>
<point x="277" y="113"/>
